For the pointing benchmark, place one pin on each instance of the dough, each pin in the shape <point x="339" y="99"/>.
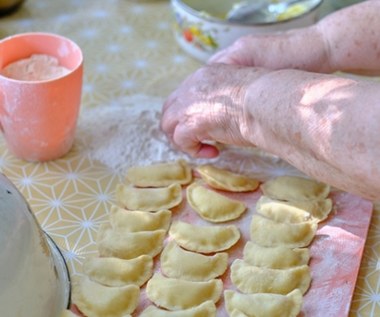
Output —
<point x="206" y="309"/>
<point x="160" y="174"/>
<point x="253" y="279"/>
<point x="134" y="221"/>
<point x="212" y="206"/>
<point x="294" y="211"/>
<point x="176" y="294"/>
<point x="118" y="272"/>
<point x="276" y="257"/>
<point x="97" y="300"/>
<point x="264" y="305"/>
<point x="187" y="265"/>
<point x="295" y="188"/>
<point x="237" y="313"/>
<point x="149" y="199"/>
<point x="204" y="239"/>
<point x="225" y="180"/>
<point x="280" y="211"/>
<point x="269" y="233"/>
<point x="128" y="245"/>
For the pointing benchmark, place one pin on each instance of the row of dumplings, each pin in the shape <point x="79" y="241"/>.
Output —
<point x="134" y="236"/>
<point x="193" y="259"/>
<point x="127" y="245"/>
<point x="275" y="261"/>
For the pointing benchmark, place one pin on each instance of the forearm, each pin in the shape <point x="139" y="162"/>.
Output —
<point x="326" y="126"/>
<point x="346" y="40"/>
<point x="352" y="38"/>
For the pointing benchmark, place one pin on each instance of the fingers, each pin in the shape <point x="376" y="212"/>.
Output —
<point x="241" y="52"/>
<point x="181" y="135"/>
<point x="208" y="106"/>
<point x="187" y="140"/>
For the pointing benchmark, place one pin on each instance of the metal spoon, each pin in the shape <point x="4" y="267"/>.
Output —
<point x="259" y="11"/>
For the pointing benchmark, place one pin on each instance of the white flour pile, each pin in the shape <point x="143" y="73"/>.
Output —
<point x="129" y="135"/>
<point x="36" y="67"/>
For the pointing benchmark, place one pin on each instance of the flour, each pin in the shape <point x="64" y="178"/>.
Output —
<point x="35" y="68"/>
<point x="129" y="134"/>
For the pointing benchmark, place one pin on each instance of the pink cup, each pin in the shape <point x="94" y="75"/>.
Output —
<point x="38" y="118"/>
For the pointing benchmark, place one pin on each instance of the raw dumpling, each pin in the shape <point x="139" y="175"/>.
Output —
<point x="269" y="233"/>
<point x="252" y="279"/>
<point x="295" y="188"/>
<point x="97" y="300"/>
<point x="237" y="313"/>
<point x="276" y="257"/>
<point x="134" y="221"/>
<point x="187" y="265"/>
<point x="212" y="206"/>
<point x="204" y="239"/>
<point x="175" y="294"/>
<point x="160" y="175"/>
<point x="149" y="199"/>
<point x="264" y="305"/>
<point x="280" y="211"/>
<point x="294" y="211"/>
<point x="119" y="272"/>
<point x="226" y="180"/>
<point x="128" y="245"/>
<point x="206" y="309"/>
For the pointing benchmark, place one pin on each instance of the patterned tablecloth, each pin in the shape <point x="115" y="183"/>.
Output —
<point x="129" y="49"/>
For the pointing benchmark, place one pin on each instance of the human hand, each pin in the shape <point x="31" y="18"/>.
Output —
<point x="297" y="49"/>
<point x="209" y="106"/>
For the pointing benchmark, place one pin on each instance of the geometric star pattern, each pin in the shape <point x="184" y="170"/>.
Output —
<point x="128" y="49"/>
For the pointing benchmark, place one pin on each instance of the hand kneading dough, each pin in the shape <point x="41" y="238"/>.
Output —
<point x="225" y="180"/>
<point x="275" y="257"/>
<point x="160" y="175"/>
<point x="128" y="245"/>
<point x="175" y="294"/>
<point x="295" y="188"/>
<point x="134" y="221"/>
<point x="206" y="309"/>
<point x="204" y="239"/>
<point x="294" y="211"/>
<point x="269" y="233"/>
<point x="191" y="266"/>
<point x="97" y="300"/>
<point x="251" y="279"/>
<point x="264" y="305"/>
<point x="212" y="206"/>
<point x="149" y="199"/>
<point x="119" y="272"/>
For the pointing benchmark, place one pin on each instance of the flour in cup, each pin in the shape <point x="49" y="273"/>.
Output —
<point x="35" y="68"/>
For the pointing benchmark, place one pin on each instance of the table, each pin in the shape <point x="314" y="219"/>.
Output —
<point x="129" y="49"/>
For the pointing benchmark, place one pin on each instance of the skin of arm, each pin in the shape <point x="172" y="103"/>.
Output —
<point x="326" y="126"/>
<point x="346" y="40"/>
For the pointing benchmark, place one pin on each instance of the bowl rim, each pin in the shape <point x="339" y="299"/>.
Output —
<point x="211" y="19"/>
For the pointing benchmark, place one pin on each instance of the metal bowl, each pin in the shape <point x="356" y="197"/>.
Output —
<point x="33" y="274"/>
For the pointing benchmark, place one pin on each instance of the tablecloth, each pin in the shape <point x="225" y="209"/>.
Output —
<point x="129" y="49"/>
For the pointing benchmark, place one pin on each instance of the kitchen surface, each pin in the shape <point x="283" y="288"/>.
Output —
<point x="131" y="63"/>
